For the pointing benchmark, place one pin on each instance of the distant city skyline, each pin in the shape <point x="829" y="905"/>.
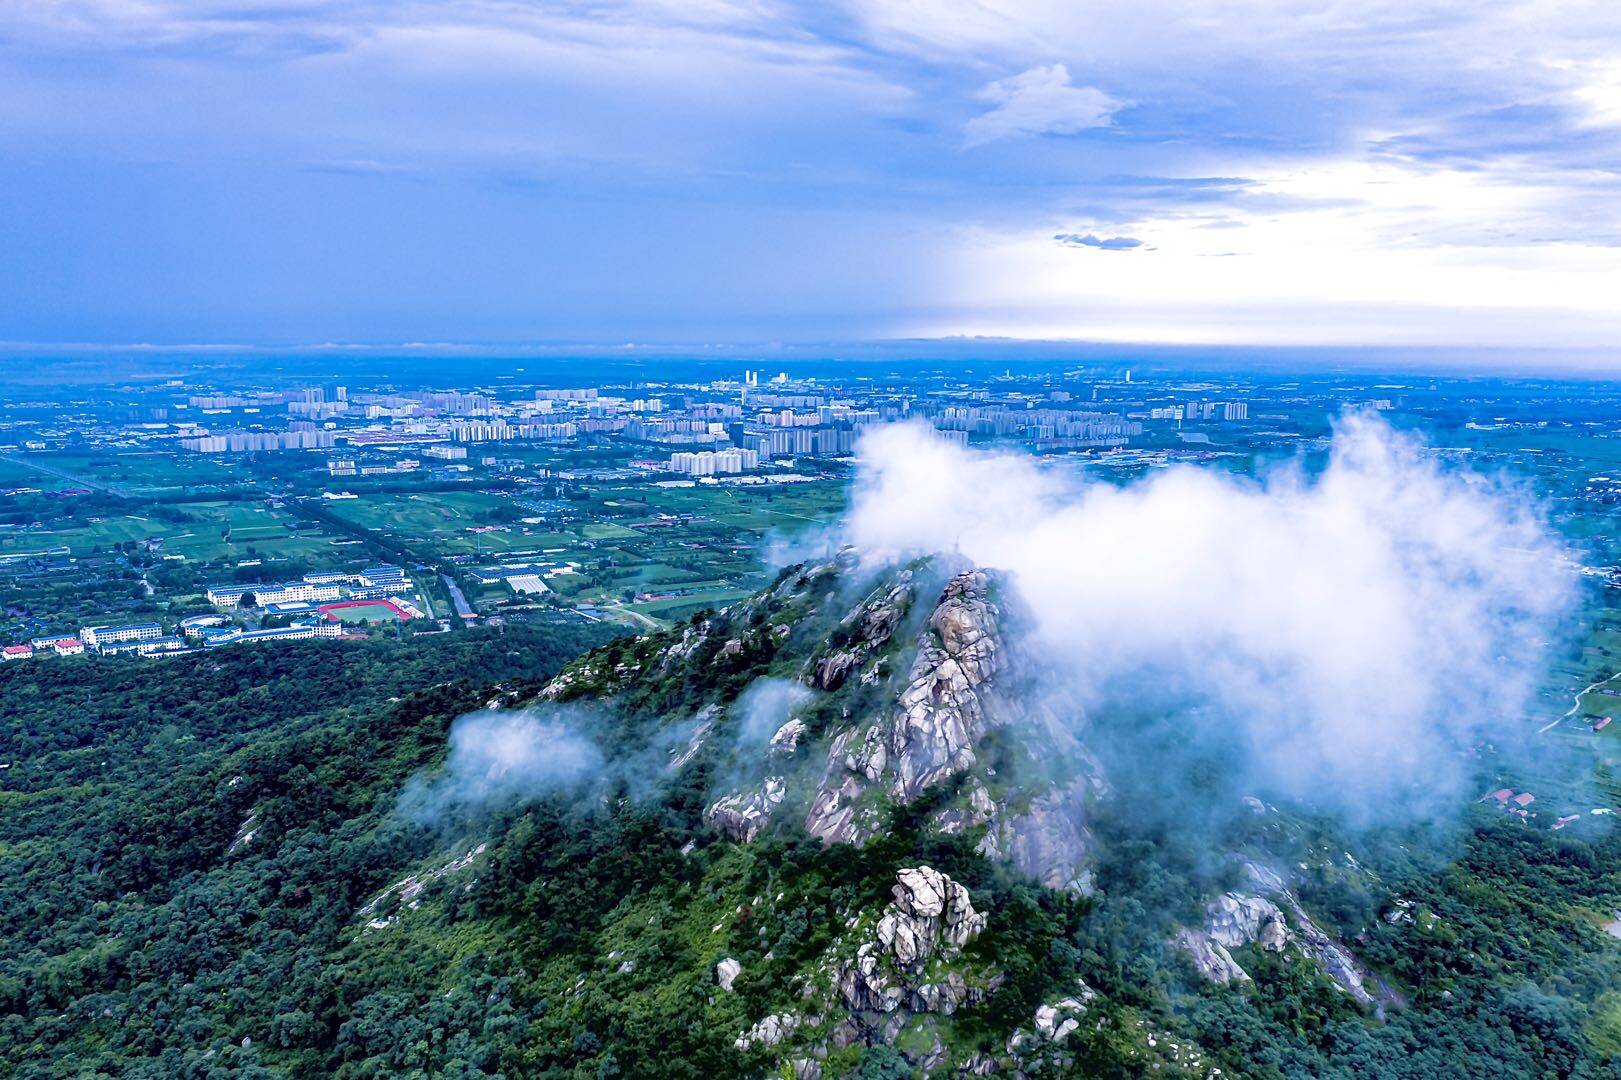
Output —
<point x="1285" y="173"/>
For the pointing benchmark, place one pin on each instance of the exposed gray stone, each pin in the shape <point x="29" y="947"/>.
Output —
<point x="745" y="813"/>
<point x="769" y="1031"/>
<point x="1211" y="957"/>
<point x="931" y="916"/>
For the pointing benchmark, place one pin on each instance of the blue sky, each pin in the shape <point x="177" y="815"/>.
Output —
<point x="1286" y="172"/>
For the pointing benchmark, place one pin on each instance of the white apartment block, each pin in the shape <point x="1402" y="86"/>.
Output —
<point x="715" y="462"/>
<point x="97" y="636"/>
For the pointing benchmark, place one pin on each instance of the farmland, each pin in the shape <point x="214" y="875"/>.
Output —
<point x="660" y="552"/>
<point x="144" y="473"/>
<point x="201" y="532"/>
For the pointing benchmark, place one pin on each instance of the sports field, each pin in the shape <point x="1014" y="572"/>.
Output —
<point x="363" y="611"/>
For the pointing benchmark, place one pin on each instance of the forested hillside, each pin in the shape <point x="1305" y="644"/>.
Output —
<point x="289" y="861"/>
<point x="183" y="842"/>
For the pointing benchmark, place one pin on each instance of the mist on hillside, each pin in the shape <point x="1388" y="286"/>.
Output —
<point x="1347" y="636"/>
<point x="501" y="756"/>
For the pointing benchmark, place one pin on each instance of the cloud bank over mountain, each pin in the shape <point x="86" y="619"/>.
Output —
<point x="1355" y="630"/>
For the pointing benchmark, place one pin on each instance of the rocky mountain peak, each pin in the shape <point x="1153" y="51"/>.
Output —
<point x="942" y="715"/>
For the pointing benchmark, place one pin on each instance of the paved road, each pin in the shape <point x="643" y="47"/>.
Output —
<point x="1578" y="704"/>
<point x="463" y="608"/>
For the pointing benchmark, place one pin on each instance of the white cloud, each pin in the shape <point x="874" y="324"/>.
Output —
<point x="1340" y="252"/>
<point x="1599" y="90"/>
<point x="1040" y="101"/>
<point x="1402" y="170"/>
<point x="503" y="756"/>
<point x="1349" y="631"/>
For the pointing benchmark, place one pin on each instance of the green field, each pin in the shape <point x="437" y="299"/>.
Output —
<point x="441" y="521"/>
<point x="606" y="530"/>
<point x="679" y="607"/>
<point x="136" y="473"/>
<point x="789" y="507"/>
<point x="17" y="474"/>
<point x="213" y="531"/>
<point x="702" y="543"/>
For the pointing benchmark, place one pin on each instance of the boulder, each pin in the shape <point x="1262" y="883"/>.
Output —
<point x="1236" y="919"/>
<point x="932" y="917"/>
<point x="769" y="1031"/>
<point x="742" y="815"/>
<point x="786" y="739"/>
<point x="1211" y="958"/>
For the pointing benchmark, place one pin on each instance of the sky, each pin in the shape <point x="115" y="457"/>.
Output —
<point x="1269" y="172"/>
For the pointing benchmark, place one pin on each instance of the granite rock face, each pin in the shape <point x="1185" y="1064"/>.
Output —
<point x="769" y="1031"/>
<point x="1236" y="919"/>
<point x="948" y="701"/>
<point x="931" y="917"/>
<point x="1048" y="841"/>
<point x="942" y="714"/>
<point x="1274" y="921"/>
<point x="906" y="964"/>
<point x="1211" y="957"/>
<point x="742" y="815"/>
<point x="785" y="740"/>
<point x="938" y="719"/>
<point x="867" y="630"/>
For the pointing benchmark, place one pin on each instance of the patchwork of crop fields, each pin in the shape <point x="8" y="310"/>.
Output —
<point x="204" y="532"/>
<point x="144" y="473"/>
<point x="656" y="552"/>
<point x="662" y="552"/>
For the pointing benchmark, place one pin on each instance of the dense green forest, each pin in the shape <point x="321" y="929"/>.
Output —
<point x="204" y="871"/>
<point x="145" y="933"/>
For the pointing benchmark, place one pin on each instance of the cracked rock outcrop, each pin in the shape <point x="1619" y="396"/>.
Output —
<point x="769" y="1031"/>
<point x="743" y="815"/>
<point x="938" y="720"/>
<point x="932" y="917"/>
<point x="785" y="740"/>
<point x="941" y="715"/>
<point x="1211" y="957"/>
<point x="909" y="962"/>
<point x="1237" y="919"/>
<point x="948" y="701"/>
<point x="868" y="629"/>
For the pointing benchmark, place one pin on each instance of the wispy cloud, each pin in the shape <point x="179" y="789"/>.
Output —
<point x="1040" y="101"/>
<point x="1350" y="635"/>
<point x="1459" y="150"/>
<point x="1101" y="243"/>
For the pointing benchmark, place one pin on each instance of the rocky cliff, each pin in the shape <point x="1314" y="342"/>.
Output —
<point x="947" y="704"/>
<point x="904" y="701"/>
<point x="884" y="974"/>
<point x="1237" y="919"/>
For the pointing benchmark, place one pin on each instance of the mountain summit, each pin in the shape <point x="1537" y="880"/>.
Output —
<point x="875" y="709"/>
<point x="857" y="825"/>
